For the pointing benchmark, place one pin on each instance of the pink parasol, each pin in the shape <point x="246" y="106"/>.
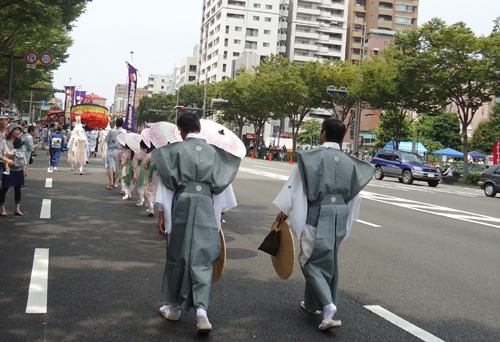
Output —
<point x="133" y="141"/>
<point x="162" y="133"/>
<point x="220" y="136"/>
<point x="145" y="137"/>
<point x="121" y="138"/>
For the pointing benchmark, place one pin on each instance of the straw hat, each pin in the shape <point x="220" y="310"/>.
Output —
<point x="219" y="264"/>
<point x="283" y="262"/>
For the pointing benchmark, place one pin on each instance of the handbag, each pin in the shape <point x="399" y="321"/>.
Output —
<point x="271" y="243"/>
<point x="31" y="159"/>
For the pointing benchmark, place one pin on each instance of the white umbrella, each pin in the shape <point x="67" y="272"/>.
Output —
<point x="133" y="140"/>
<point x="121" y="138"/>
<point x="145" y="137"/>
<point x="164" y="133"/>
<point x="222" y="137"/>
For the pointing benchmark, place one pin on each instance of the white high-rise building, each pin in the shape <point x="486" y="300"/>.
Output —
<point x="232" y="27"/>
<point x="316" y="31"/>
<point x="161" y="84"/>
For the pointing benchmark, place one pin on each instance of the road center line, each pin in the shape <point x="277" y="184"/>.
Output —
<point x="48" y="183"/>
<point x="37" y="295"/>
<point x="46" y="206"/>
<point x="403" y="324"/>
<point x="369" y="224"/>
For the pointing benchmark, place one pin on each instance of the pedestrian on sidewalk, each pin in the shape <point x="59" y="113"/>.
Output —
<point x="15" y="179"/>
<point x="193" y="174"/>
<point x="113" y="147"/>
<point x="320" y="201"/>
<point x="30" y="146"/>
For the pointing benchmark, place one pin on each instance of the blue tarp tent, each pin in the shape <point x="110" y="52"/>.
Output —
<point x="406" y="146"/>
<point x="449" y="152"/>
<point x="477" y="155"/>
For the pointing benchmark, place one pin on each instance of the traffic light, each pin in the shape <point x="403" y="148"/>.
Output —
<point x="179" y="107"/>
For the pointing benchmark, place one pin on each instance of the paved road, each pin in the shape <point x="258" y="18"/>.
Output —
<point x="428" y="256"/>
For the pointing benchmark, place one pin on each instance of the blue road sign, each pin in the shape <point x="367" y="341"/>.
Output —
<point x="43" y="103"/>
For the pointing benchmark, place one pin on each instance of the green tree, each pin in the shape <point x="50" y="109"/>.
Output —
<point x="451" y="65"/>
<point x="288" y="90"/>
<point x="392" y="125"/>
<point x="309" y="134"/>
<point x="438" y="131"/>
<point x="158" y="107"/>
<point x="487" y="133"/>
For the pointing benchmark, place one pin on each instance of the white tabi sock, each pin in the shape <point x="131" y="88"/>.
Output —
<point x="328" y="312"/>
<point x="201" y="314"/>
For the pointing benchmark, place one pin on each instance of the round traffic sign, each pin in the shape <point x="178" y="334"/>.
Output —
<point x="6" y="103"/>
<point x="31" y="57"/>
<point x="46" y="58"/>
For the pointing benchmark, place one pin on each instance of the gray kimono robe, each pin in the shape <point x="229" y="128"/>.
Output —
<point x="194" y="170"/>
<point x="330" y="180"/>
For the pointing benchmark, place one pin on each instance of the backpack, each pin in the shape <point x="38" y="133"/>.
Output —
<point x="56" y="143"/>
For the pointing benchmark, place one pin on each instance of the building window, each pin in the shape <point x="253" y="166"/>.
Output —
<point x="372" y="17"/>
<point x="236" y="54"/>
<point x="237" y="29"/>
<point x="250" y="45"/>
<point x="225" y="55"/>
<point x="223" y="67"/>
<point x="226" y="42"/>
<point x="162" y="87"/>
<point x="192" y="68"/>
<point x="252" y="32"/>
<point x="183" y="69"/>
<point x="268" y="20"/>
<point x="267" y="31"/>
<point x="237" y="41"/>
<point x="256" y="5"/>
<point x="265" y="44"/>
<point x="235" y="16"/>
<point x="227" y="29"/>
<point x="405" y="21"/>
<point x="256" y="18"/>
<point x="269" y="7"/>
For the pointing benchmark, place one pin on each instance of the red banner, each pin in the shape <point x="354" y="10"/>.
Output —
<point x="496" y="153"/>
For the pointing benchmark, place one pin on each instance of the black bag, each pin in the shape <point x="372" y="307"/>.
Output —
<point x="271" y="243"/>
<point x="31" y="159"/>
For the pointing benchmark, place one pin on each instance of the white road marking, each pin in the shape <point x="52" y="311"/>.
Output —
<point x="403" y="324"/>
<point x="46" y="206"/>
<point x="48" y="183"/>
<point x="369" y="224"/>
<point x="433" y="209"/>
<point x="264" y="173"/>
<point x="37" y="295"/>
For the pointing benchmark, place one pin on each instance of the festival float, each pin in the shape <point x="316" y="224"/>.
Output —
<point x="92" y="115"/>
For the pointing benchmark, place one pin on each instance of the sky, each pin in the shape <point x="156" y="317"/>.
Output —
<point x="162" y="33"/>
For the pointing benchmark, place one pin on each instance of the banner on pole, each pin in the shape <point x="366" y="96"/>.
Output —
<point x="129" y="123"/>
<point x="80" y="97"/>
<point x="68" y="103"/>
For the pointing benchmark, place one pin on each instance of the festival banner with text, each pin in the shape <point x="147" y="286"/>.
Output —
<point x="129" y="123"/>
<point x="80" y="97"/>
<point x="68" y="103"/>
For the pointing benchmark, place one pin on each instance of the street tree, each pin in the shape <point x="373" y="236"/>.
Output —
<point x="393" y="125"/>
<point x="309" y="134"/>
<point x="443" y="129"/>
<point x="487" y="134"/>
<point x="454" y="66"/>
<point x="158" y="107"/>
<point x="289" y="90"/>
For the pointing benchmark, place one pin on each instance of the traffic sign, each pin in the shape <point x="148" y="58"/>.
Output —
<point x="496" y="153"/>
<point x="31" y="57"/>
<point x="43" y="102"/>
<point x="31" y="66"/>
<point x="6" y="103"/>
<point x="46" y="58"/>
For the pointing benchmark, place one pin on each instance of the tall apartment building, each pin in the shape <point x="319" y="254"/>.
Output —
<point x="315" y="30"/>
<point x="161" y="84"/>
<point x="121" y="97"/>
<point x="187" y="71"/>
<point x="377" y="16"/>
<point x="232" y="27"/>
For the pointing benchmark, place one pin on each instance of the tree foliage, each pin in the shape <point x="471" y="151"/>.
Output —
<point x="310" y="133"/>
<point x="437" y="132"/>
<point x="393" y="126"/>
<point x="487" y="133"/>
<point x="451" y="65"/>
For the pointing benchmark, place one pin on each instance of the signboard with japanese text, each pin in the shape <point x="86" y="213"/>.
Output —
<point x="496" y="153"/>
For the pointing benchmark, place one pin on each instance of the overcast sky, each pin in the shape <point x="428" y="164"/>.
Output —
<point x="162" y="33"/>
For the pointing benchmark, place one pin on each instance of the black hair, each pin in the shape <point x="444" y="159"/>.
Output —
<point x="144" y="146"/>
<point x="119" y="122"/>
<point x="31" y="129"/>
<point x="335" y="130"/>
<point x="189" y="123"/>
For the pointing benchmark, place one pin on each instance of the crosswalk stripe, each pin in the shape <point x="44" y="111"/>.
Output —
<point x="37" y="295"/>
<point x="403" y="324"/>
<point x="369" y="224"/>
<point x="48" y="183"/>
